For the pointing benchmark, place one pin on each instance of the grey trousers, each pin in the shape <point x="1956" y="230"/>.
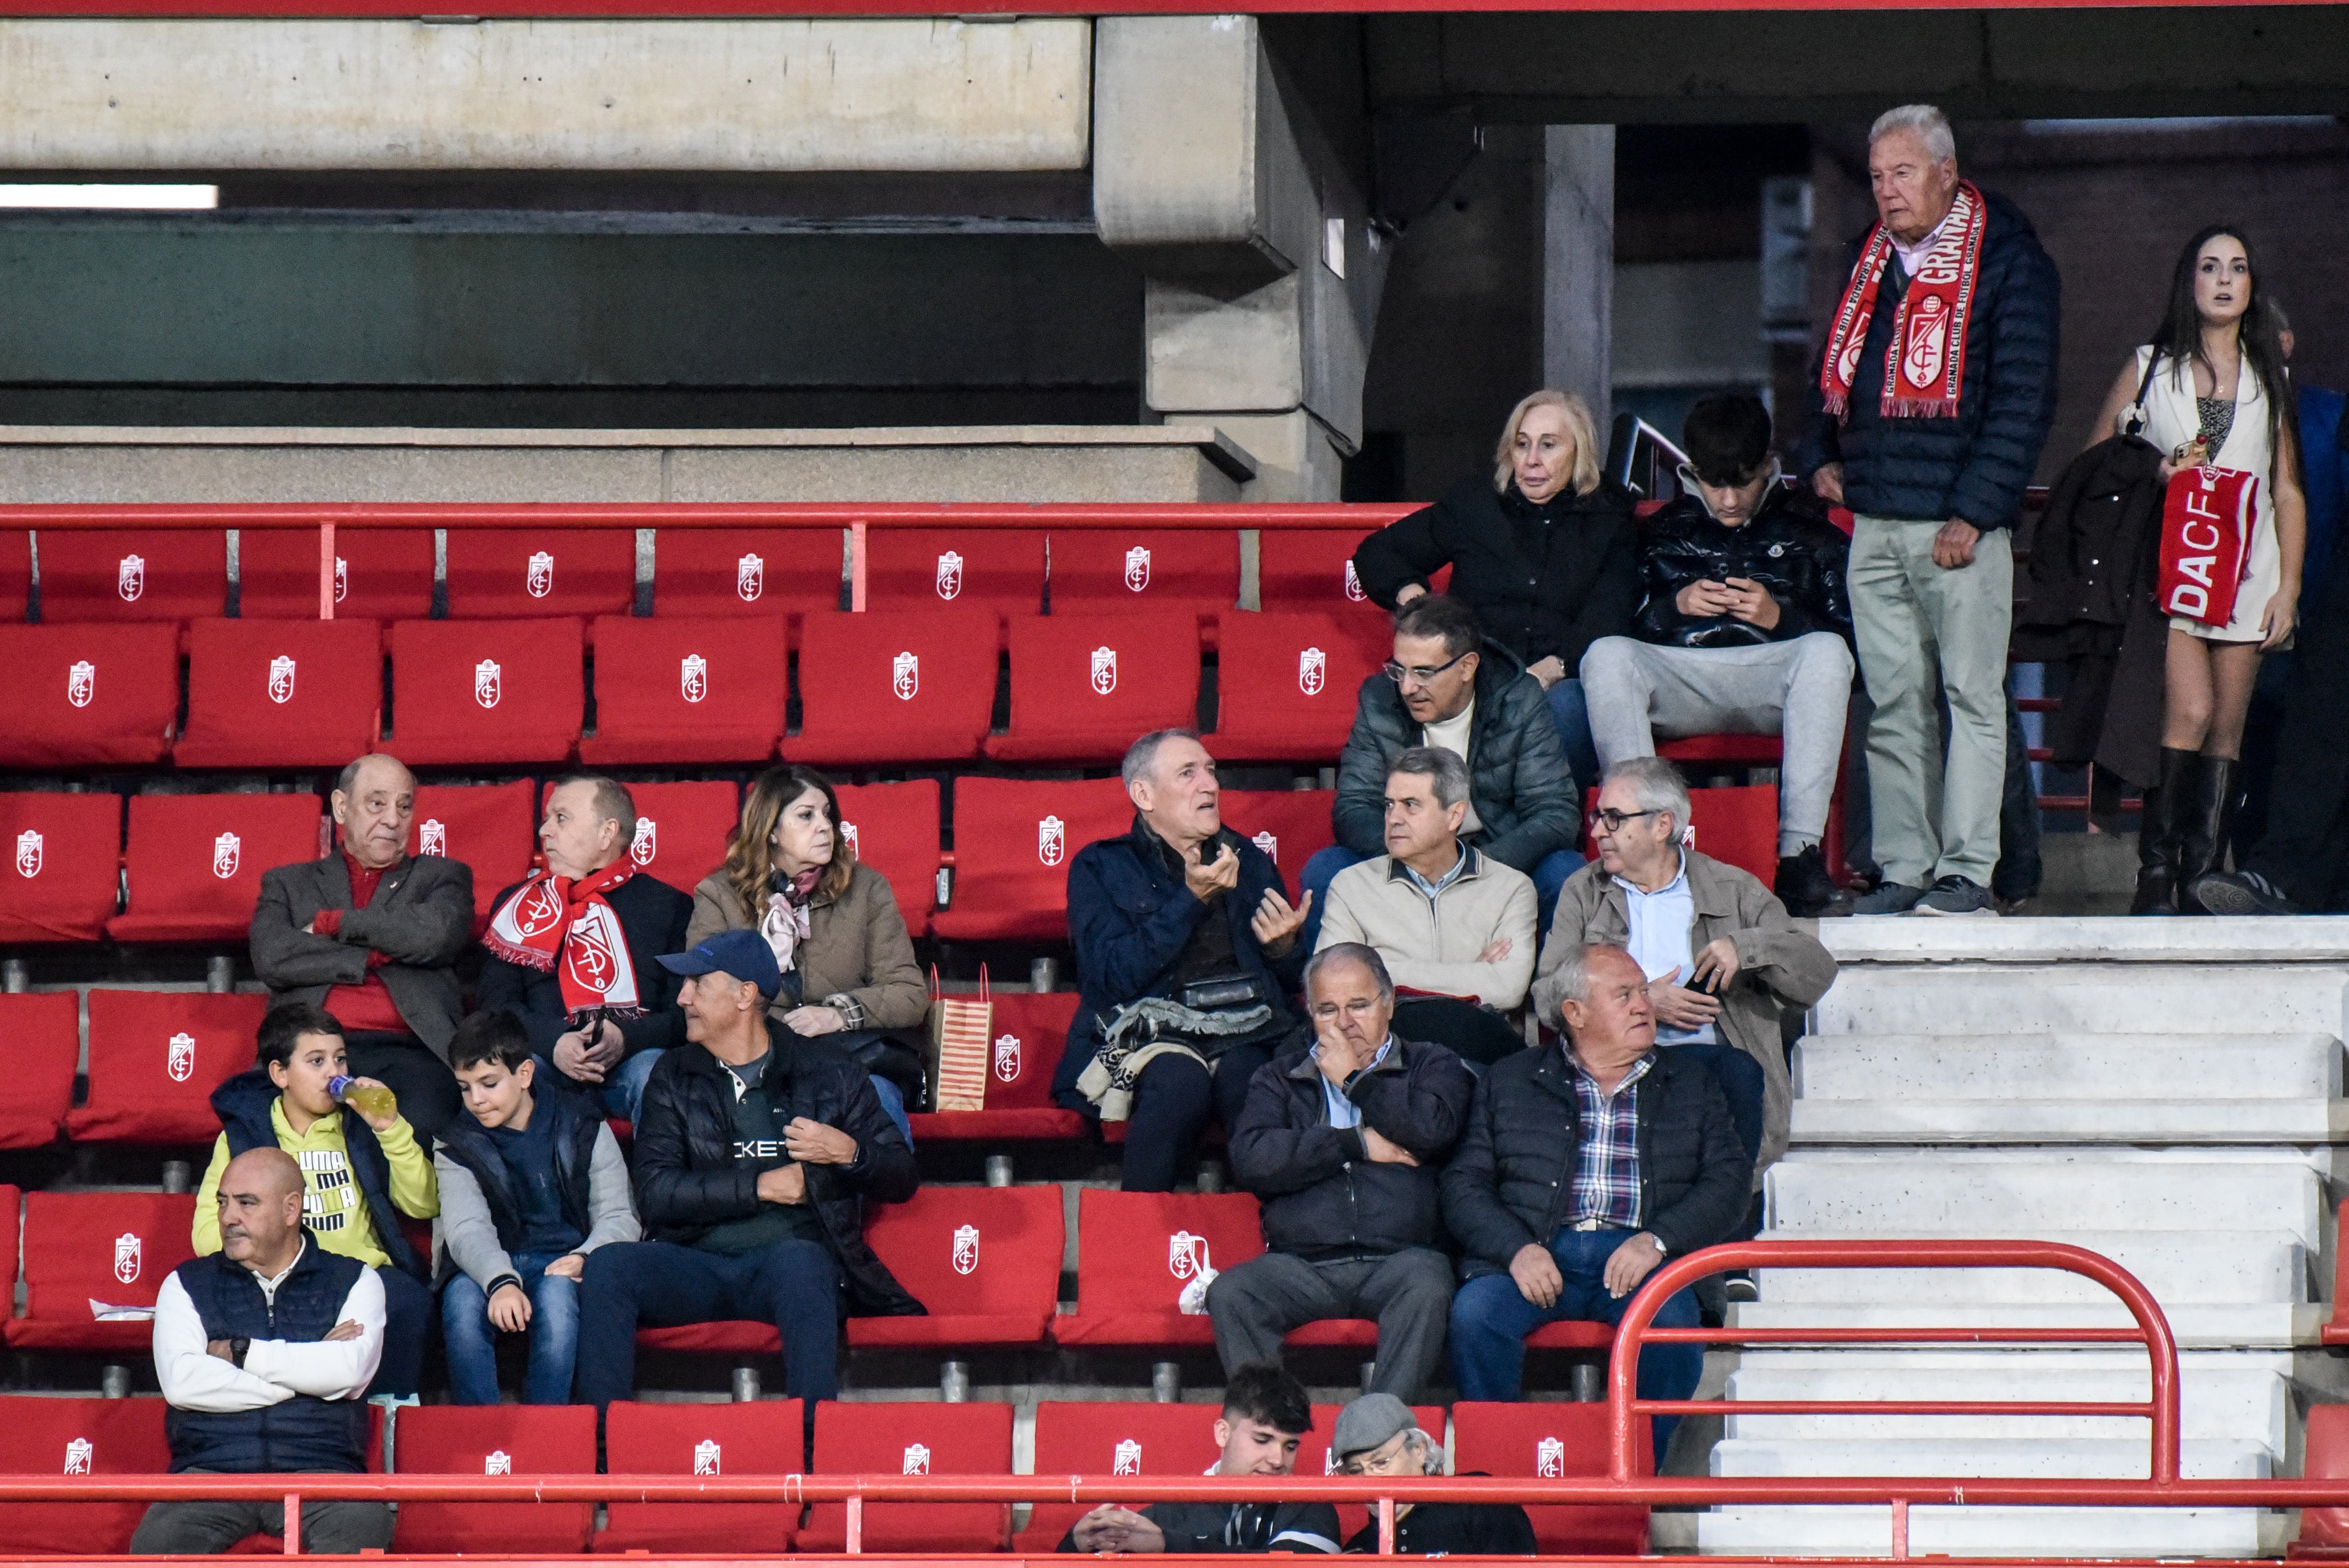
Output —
<point x="1409" y="1293"/>
<point x="1800" y="689"/>
<point x="202" y="1528"/>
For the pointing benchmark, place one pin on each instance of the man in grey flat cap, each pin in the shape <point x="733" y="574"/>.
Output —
<point x="1378" y="1435"/>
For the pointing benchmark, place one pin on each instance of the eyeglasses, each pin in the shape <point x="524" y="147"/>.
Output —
<point x="1613" y="821"/>
<point x="1418" y="675"/>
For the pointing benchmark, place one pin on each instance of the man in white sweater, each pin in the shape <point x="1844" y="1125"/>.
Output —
<point x="1455" y="927"/>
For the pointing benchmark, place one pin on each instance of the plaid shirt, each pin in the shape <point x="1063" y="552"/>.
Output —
<point x="1607" y="1166"/>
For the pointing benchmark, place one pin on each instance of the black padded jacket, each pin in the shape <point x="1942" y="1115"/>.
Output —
<point x="1788" y="546"/>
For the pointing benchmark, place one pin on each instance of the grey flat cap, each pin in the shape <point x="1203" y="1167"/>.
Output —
<point x="1368" y="1422"/>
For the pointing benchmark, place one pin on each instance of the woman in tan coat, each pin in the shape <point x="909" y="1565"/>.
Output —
<point x="847" y="963"/>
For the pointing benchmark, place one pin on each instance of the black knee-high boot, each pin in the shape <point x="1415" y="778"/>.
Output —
<point x="2166" y="805"/>
<point x="2205" y="828"/>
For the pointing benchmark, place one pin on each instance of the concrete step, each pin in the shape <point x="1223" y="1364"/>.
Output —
<point x="2182" y="1268"/>
<point x="2259" y="1325"/>
<point x="2228" y="1068"/>
<point x="1900" y="939"/>
<point x="2083" y="998"/>
<point x="2029" y="1532"/>
<point x="2205" y="1458"/>
<point x="2070" y="1121"/>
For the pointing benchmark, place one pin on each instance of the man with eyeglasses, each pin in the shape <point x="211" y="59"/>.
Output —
<point x="1745" y="630"/>
<point x="1447" y="687"/>
<point x="1378" y="1435"/>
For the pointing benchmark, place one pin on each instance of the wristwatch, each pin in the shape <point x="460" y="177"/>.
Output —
<point x="236" y="1349"/>
<point x="1661" y="1251"/>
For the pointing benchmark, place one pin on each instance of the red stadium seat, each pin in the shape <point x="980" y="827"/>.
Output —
<point x="2324" y="1532"/>
<point x="985" y="1261"/>
<point x="681" y="828"/>
<point x="64" y="868"/>
<point x="1030" y="1028"/>
<point x="747" y="571"/>
<point x="894" y="828"/>
<point x="282" y="694"/>
<point x="1013" y="841"/>
<point x="995" y="569"/>
<point x="195" y="861"/>
<point x="1313" y="1455"/>
<point x="494" y="1440"/>
<point x="1115" y="570"/>
<point x="380" y="574"/>
<point x="1084" y="685"/>
<point x="133" y="574"/>
<point x="88" y="695"/>
<point x="44" y="1035"/>
<point x="112" y="1247"/>
<point x="529" y="573"/>
<point x="486" y="691"/>
<point x="1136" y="1251"/>
<point x="1313" y="569"/>
<point x="11" y="1205"/>
<point x="894" y="687"/>
<point x="155" y="1058"/>
<point x="896" y="1436"/>
<point x="15" y="574"/>
<point x="493" y="827"/>
<point x="1286" y="685"/>
<point x="756" y="1437"/>
<point x="732" y="1336"/>
<point x="678" y="690"/>
<point x="1553" y="1440"/>
<point x="44" y="1436"/>
<point x="1111" y="1439"/>
<point x="1289" y="825"/>
<point x="1737" y="825"/>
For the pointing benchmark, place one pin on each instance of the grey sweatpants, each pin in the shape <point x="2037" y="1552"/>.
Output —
<point x="1409" y="1293"/>
<point x="1798" y="690"/>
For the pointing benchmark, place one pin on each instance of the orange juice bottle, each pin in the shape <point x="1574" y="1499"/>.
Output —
<point x="368" y="1100"/>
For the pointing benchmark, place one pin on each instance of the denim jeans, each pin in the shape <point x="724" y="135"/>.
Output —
<point x="471" y="1340"/>
<point x="793" y="1285"/>
<point x="1570" y="711"/>
<point x="1549" y="874"/>
<point x="1491" y="1317"/>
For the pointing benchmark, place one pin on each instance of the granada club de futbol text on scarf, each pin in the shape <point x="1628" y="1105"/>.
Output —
<point x="552" y="922"/>
<point x="1924" y="369"/>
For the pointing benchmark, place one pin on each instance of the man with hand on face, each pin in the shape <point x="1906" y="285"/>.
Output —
<point x="263" y="1349"/>
<point x="371" y="934"/>
<point x="572" y="949"/>
<point x="1267" y="1414"/>
<point x="1187" y="949"/>
<point x="1341" y="1142"/>
<point x="756" y="1154"/>
<point x="1585" y="1165"/>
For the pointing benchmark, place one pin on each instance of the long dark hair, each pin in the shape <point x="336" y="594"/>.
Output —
<point x="2178" y="339"/>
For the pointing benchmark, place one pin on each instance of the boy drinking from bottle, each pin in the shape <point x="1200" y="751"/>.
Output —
<point x="361" y="1169"/>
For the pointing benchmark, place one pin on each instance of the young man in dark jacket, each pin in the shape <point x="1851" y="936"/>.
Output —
<point x="1743" y="629"/>
<point x="1342" y="1141"/>
<point x="1546" y="1235"/>
<point x="755" y="1152"/>
<point x="1187" y="950"/>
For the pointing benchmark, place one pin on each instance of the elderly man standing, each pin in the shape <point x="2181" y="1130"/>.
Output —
<point x="1342" y="1141"/>
<point x="1446" y="919"/>
<point x="1187" y="950"/>
<point x="572" y="948"/>
<point x="1585" y="1165"/>
<point x="1933" y="396"/>
<point x="371" y="934"/>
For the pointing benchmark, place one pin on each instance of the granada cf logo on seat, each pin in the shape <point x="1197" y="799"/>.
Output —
<point x="281" y="679"/>
<point x="432" y="837"/>
<point x="950" y="574"/>
<point x="1007" y="1057"/>
<point x="1051" y="840"/>
<point x="126" y="1257"/>
<point x="1104" y="670"/>
<point x="1550" y="1458"/>
<point x="693" y="678"/>
<point x="1312" y="669"/>
<point x="130" y="576"/>
<point x="227" y="851"/>
<point x="180" y="1056"/>
<point x="79" y="1453"/>
<point x="486" y="677"/>
<point x="1126" y="1458"/>
<point x="750" y="578"/>
<point x="706" y="1452"/>
<point x="1353" y="584"/>
<point x="848" y="836"/>
<point x="1137" y="568"/>
<point x="1186" y="1255"/>
<point x="917" y="1459"/>
<point x="342" y="579"/>
<point x="1269" y="845"/>
<point x="965" y="1249"/>
<point x="81" y="683"/>
<point x="497" y="1461"/>
<point x="538" y="580"/>
<point x="646" y="845"/>
<point x="28" y="852"/>
<point x="906" y="675"/>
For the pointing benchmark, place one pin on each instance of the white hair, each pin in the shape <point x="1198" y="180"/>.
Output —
<point x="1655" y="784"/>
<point x="1927" y="124"/>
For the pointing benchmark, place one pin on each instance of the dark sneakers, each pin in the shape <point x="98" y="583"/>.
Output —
<point x="1806" y="890"/>
<point x="2241" y="892"/>
<point x="1957" y="895"/>
<point x="1890" y="898"/>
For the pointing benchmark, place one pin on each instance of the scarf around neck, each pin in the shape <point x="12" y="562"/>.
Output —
<point x="550" y="918"/>
<point x="1925" y="364"/>
<point x="785" y="924"/>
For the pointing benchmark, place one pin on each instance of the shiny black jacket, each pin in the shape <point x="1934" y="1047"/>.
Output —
<point x="688" y="1180"/>
<point x="1788" y="546"/>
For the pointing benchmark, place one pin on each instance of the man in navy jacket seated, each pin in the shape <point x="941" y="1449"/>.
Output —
<point x="1187" y="954"/>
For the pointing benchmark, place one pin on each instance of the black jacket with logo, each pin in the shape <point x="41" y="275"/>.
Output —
<point x="1787" y="546"/>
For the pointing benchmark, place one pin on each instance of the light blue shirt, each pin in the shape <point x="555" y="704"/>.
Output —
<point x="1344" y="1112"/>
<point x="1663" y="927"/>
<point x="1428" y="889"/>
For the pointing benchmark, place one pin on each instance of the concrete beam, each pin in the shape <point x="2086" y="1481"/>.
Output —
<point x="759" y="95"/>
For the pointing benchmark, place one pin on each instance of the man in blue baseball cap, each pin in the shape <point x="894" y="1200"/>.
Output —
<point x="756" y="1148"/>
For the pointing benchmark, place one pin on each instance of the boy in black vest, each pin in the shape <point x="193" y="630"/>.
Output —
<point x="264" y="1350"/>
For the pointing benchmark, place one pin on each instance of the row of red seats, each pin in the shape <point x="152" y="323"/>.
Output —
<point x="874" y="689"/>
<point x="43" y="1436"/>
<point x="385" y="574"/>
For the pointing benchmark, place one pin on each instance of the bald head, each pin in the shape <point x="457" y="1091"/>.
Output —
<point x="373" y="802"/>
<point x="261" y="1209"/>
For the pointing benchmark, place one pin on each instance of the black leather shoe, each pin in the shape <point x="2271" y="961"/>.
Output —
<point x="1806" y="890"/>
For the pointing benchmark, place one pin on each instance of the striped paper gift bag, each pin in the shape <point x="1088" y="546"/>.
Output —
<point x="961" y="1031"/>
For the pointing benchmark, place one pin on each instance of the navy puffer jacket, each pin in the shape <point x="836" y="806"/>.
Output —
<point x="1977" y="465"/>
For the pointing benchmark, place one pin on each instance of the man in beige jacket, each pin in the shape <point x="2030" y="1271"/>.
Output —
<point x="1449" y="922"/>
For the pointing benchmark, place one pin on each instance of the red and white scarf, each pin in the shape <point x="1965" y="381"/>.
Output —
<point x="2206" y="532"/>
<point x="1925" y="366"/>
<point x="550" y="918"/>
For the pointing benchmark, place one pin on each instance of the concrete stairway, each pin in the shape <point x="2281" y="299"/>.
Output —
<point x="2168" y="1093"/>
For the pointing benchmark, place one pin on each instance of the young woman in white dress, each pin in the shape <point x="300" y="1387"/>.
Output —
<point x="2219" y="394"/>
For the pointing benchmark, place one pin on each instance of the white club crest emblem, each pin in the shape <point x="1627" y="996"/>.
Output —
<point x="1186" y="1255"/>
<point x="1312" y="669"/>
<point x="906" y="675"/>
<point x="432" y="837"/>
<point x="497" y="1463"/>
<point x="1269" y="845"/>
<point x="28" y="852"/>
<point x="1353" y="584"/>
<point x="1126" y="1459"/>
<point x="81" y="683"/>
<point x="538" y="580"/>
<point x="646" y="846"/>
<point x="1550" y="1458"/>
<point x="848" y="836"/>
<point x="965" y="1249"/>
<point x="1104" y="670"/>
<point x="1051" y="840"/>
<point x="126" y="1257"/>
<point x="950" y="574"/>
<point x="342" y="579"/>
<point x="693" y="678"/>
<point x="1007" y="1057"/>
<point x="130" y="576"/>
<point x="280" y="678"/>
<point x="180" y="1056"/>
<point x="705" y="1452"/>
<point x="750" y="578"/>
<point x="917" y="1459"/>
<point x="227" y="851"/>
<point x="485" y="683"/>
<point x="79" y="1453"/>
<point x="1137" y="568"/>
